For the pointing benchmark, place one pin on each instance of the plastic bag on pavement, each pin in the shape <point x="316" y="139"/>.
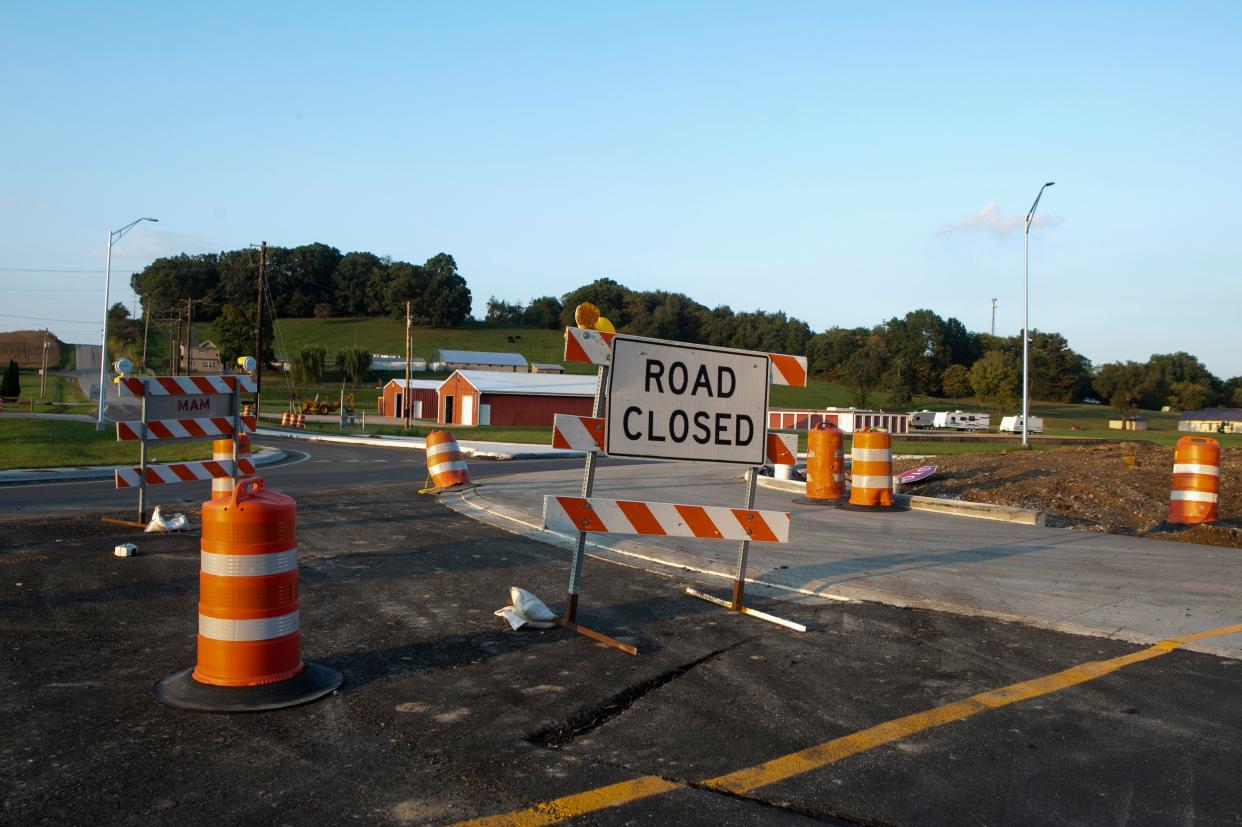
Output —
<point x="527" y="610"/>
<point x="160" y="524"/>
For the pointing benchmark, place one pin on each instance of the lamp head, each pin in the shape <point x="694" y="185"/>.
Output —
<point x="1049" y="184"/>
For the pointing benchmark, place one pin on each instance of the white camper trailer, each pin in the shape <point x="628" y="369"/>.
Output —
<point x="922" y="419"/>
<point x="1013" y="425"/>
<point x="963" y="421"/>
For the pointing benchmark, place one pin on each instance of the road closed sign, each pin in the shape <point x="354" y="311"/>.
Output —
<point x="668" y="400"/>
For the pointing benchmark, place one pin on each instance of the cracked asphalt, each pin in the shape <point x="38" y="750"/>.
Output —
<point x="446" y="714"/>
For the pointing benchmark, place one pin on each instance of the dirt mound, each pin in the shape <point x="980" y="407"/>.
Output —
<point x="1121" y="488"/>
<point x="26" y="347"/>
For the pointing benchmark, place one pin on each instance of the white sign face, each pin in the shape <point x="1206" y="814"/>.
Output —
<point x="668" y="400"/>
<point x="189" y="407"/>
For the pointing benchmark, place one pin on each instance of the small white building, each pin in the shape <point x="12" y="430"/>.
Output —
<point x="1212" y="420"/>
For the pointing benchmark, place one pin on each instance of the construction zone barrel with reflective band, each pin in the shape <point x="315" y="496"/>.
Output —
<point x="1196" y="481"/>
<point x="222" y="451"/>
<point x="248" y="620"/>
<point x="446" y="465"/>
<point x="825" y="463"/>
<point x="871" y="482"/>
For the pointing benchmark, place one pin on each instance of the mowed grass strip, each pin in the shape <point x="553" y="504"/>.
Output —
<point x="44" y="443"/>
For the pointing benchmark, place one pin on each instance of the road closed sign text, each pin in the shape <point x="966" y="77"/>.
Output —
<point x="674" y="401"/>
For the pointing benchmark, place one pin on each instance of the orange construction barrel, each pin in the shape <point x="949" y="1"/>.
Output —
<point x="871" y="484"/>
<point x="1196" y="481"/>
<point x="249" y="621"/>
<point x="222" y="451"/>
<point x="825" y="464"/>
<point x="446" y="465"/>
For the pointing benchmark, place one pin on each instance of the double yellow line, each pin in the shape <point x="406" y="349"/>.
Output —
<point x="796" y="763"/>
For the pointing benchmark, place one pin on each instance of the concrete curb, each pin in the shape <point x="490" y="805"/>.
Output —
<point x="264" y="456"/>
<point x="956" y="508"/>
<point x="471" y="448"/>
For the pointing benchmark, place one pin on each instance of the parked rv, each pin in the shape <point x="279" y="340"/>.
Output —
<point x="963" y="420"/>
<point x="1013" y="425"/>
<point x="922" y="419"/>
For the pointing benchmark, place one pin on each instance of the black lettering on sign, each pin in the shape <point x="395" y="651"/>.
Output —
<point x="625" y="422"/>
<point x="193" y="404"/>
<point x="743" y="419"/>
<point x="722" y="428"/>
<point x="703" y="425"/>
<point x="651" y="431"/>
<point x="721" y="373"/>
<point x="678" y="426"/>
<point x="655" y="369"/>
<point x="702" y="380"/>
<point x="673" y="380"/>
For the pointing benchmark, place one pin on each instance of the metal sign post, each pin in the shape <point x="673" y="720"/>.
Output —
<point x="588" y="482"/>
<point x="142" y="460"/>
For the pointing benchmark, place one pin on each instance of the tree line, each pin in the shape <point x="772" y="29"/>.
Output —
<point x="311" y="281"/>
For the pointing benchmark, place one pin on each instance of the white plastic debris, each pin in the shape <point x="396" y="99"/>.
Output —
<point x="125" y="550"/>
<point x="527" y="610"/>
<point x="160" y="524"/>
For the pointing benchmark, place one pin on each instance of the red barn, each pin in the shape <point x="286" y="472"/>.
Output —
<point x="479" y="397"/>
<point x="422" y="392"/>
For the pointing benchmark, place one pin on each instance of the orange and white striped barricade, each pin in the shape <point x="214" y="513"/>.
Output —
<point x="731" y="428"/>
<point x="299" y="421"/>
<point x="184" y="408"/>
<point x="222" y="452"/>
<point x="1196" y="481"/>
<point x="446" y="464"/>
<point x="284" y="419"/>
<point x="871" y="478"/>
<point x="825" y="465"/>
<point x="783" y="455"/>
<point x="249" y="616"/>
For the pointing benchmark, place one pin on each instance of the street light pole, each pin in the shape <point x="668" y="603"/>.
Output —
<point x="1026" y="314"/>
<point x="113" y="237"/>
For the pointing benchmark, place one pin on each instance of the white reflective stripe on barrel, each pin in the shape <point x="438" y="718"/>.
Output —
<point x="436" y="450"/>
<point x="459" y="465"/>
<point x="249" y="565"/>
<point x="263" y="628"/>
<point x="873" y="482"/>
<point x="871" y="454"/>
<point x="1191" y="468"/>
<point x="1194" y="496"/>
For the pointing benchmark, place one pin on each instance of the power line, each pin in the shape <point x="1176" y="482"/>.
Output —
<point x="45" y="319"/>
<point x="98" y="272"/>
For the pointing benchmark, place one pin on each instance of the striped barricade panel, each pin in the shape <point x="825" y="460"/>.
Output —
<point x="186" y="385"/>
<point x="198" y="428"/>
<point x="783" y="449"/>
<point x="175" y="472"/>
<point x="594" y="347"/>
<point x="607" y="516"/>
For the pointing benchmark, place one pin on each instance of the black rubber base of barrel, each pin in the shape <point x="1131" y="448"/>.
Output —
<point x="815" y="501"/>
<point x="847" y="506"/>
<point x="182" y="691"/>
<point x="449" y="489"/>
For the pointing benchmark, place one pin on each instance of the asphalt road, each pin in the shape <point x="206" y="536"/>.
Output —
<point x="311" y="468"/>
<point x="877" y="715"/>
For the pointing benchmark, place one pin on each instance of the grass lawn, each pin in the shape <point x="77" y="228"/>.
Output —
<point x="45" y="443"/>
<point x="64" y="395"/>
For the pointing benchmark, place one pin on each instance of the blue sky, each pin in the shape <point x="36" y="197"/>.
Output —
<point x="841" y="162"/>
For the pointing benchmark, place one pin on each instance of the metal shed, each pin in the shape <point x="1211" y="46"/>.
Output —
<point x="478" y="397"/>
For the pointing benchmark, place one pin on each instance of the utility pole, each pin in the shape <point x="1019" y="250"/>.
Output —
<point x="405" y="396"/>
<point x="43" y="373"/>
<point x="146" y="332"/>
<point x="993" y="317"/>
<point x="175" y="356"/>
<point x="189" y="337"/>
<point x="258" y="329"/>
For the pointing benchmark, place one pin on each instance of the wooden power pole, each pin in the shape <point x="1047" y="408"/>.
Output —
<point x="189" y="336"/>
<point x="258" y="329"/>
<point x="405" y="394"/>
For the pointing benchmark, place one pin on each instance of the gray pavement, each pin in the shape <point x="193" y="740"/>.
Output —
<point x="1129" y="588"/>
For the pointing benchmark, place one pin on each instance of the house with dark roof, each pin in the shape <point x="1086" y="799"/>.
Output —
<point x="1212" y="421"/>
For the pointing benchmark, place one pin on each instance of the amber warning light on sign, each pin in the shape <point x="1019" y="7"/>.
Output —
<point x="673" y="401"/>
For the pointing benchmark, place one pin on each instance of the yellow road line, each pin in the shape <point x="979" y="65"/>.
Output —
<point x="796" y="763"/>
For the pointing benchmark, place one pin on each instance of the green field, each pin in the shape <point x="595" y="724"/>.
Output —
<point x="44" y="443"/>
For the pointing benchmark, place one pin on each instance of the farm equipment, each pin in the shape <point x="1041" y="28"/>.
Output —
<point x="325" y="406"/>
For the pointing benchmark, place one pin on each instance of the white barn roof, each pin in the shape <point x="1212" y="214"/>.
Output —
<point x="537" y="384"/>
<point x="481" y="357"/>
<point x="417" y="384"/>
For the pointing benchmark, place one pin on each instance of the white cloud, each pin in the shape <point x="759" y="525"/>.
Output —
<point x="992" y="217"/>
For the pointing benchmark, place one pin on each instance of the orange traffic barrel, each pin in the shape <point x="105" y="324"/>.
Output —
<point x="825" y="464"/>
<point x="446" y="465"/>
<point x="222" y="451"/>
<point x="284" y="418"/>
<point x="249" y="620"/>
<point x="1196" y="481"/>
<point x="871" y="483"/>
